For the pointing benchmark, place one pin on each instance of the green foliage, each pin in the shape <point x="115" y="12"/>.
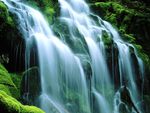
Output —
<point x="4" y="16"/>
<point x="8" y="104"/>
<point x="5" y="77"/>
<point x="3" y="11"/>
<point x="5" y="89"/>
<point x="16" y="78"/>
<point x="129" y="38"/>
<point x="2" y="68"/>
<point x="6" y="83"/>
<point x="11" y="105"/>
<point x="106" y="39"/>
<point x="114" y="12"/>
<point x="49" y="12"/>
<point x="46" y="6"/>
<point x="143" y="56"/>
<point x="129" y="18"/>
<point x="30" y="109"/>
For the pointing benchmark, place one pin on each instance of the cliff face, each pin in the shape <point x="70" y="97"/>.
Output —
<point x="131" y="18"/>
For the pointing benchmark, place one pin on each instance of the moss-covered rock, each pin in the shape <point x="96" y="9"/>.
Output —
<point x="6" y="83"/>
<point x="16" y="78"/>
<point x="31" y="109"/>
<point x="8" y="104"/>
<point x="11" y="105"/>
<point x="107" y="40"/>
<point x="10" y="83"/>
<point x="46" y="6"/>
<point x="130" y="18"/>
<point x="5" y="89"/>
<point x="9" y="88"/>
<point x="4" y="16"/>
<point x="5" y="77"/>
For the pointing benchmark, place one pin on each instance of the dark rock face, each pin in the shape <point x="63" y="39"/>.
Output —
<point x="30" y="85"/>
<point x="126" y="99"/>
<point x="11" y="42"/>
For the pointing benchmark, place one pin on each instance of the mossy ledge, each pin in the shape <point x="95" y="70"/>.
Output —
<point x="10" y="105"/>
<point x="8" y="90"/>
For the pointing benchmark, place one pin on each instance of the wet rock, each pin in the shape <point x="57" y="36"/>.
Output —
<point x="30" y="85"/>
<point x="125" y="97"/>
<point x="123" y="108"/>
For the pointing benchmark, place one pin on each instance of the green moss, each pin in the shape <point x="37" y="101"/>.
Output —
<point x="132" y="21"/>
<point x="8" y="104"/>
<point x="11" y="105"/>
<point x="2" y="68"/>
<point x="3" y="11"/>
<point x="10" y="21"/>
<point x="6" y="83"/>
<point x="117" y="13"/>
<point x="49" y="12"/>
<point x="4" y="15"/>
<point x="31" y="109"/>
<point x="103" y="5"/>
<point x="45" y="6"/>
<point x="5" y="78"/>
<point x="142" y="55"/>
<point x="106" y="39"/>
<point x="5" y="89"/>
<point x="129" y="38"/>
<point x="16" y="78"/>
<point x="112" y="18"/>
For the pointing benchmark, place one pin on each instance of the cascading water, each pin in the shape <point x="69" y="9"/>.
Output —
<point x="64" y="82"/>
<point x="78" y="16"/>
<point x="60" y="69"/>
<point x="126" y="66"/>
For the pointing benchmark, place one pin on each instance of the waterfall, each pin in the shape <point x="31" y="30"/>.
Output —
<point x="60" y="69"/>
<point x="126" y="67"/>
<point x="67" y="86"/>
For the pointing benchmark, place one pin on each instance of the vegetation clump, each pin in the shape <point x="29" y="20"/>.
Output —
<point x="46" y="6"/>
<point x="9" y="88"/>
<point x="130" y="18"/>
<point x="6" y="82"/>
<point x="10" y="105"/>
